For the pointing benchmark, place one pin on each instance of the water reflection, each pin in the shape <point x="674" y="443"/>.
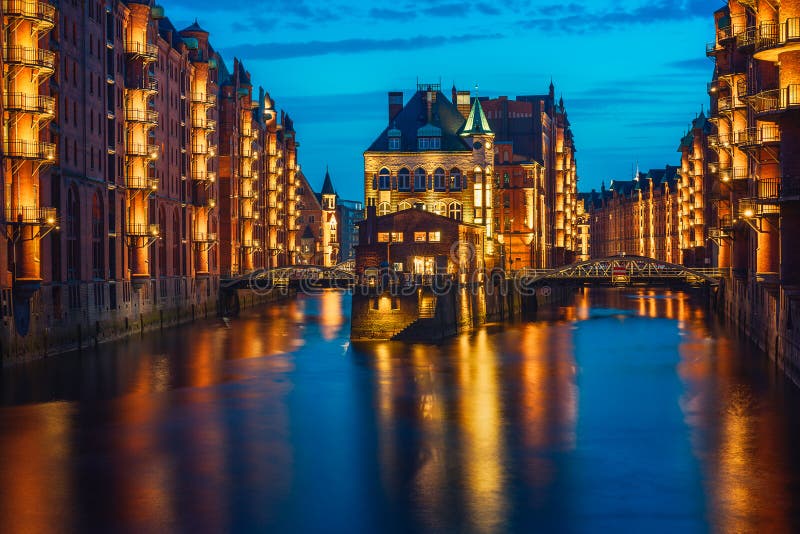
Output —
<point x="629" y="406"/>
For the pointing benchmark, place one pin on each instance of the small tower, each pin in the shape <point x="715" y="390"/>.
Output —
<point x="480" y="136"/>
<point x="330" y="229"/>
<point x="328" y="193"/>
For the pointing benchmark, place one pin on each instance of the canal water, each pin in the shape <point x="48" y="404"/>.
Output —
<point x="628" y="411"/>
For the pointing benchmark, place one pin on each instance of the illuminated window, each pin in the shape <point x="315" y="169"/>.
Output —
<point x="455" y="180"/>
<point x="383" y="237"/>
<point x="404" y="205"/>
<point x="435" y="237"/>
<point x="439" y="208"/>
<point x="420" y="237"/>
<point x="397" y="237"/>
<point x="383" y="208"/>
<point x="420" y="179"/>
<point x="454" y="211"/>
<point x="404" y="180"/>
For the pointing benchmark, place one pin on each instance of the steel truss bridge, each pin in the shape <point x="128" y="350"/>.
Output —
<point x="310" y="276"/>
<point x="623" y="270"/>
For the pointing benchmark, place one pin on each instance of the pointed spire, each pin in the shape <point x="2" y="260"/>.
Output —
<point x="552" y="87"/>
<point x="327" y="185"/>
<point x="476" y="122"/>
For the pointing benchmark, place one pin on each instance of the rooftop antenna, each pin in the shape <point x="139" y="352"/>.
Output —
<point x="476" y="90"/>
<point x="636" y="176"/>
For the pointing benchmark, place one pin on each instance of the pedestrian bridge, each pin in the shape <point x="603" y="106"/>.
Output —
<point x="622" y="271"/>
<point x="341" y="275"/>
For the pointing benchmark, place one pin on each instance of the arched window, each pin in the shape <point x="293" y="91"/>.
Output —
<point x="384" y="180"/>
<point x="404" y="205"/>
<point x="439" y="208"/>
<point x="455" y="180"/>
<point x="454" y="211"/>
<point x="404" y="180"/>
<point x="419" y="180"/>
<point x="98" y="256"/>
<point x="439" y="183"/>
<point x="384" y="208"/>
<point x="176" y="244"/>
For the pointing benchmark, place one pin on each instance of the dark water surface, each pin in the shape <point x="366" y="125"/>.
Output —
<point x="630" y="412"/>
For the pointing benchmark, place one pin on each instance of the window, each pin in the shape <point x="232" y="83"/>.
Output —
<point x="439" y="183"/>
<point x="394" y="143"/>
<point x="420" y="237"/>
<point x="383" y="237"/>
<point x="454" y="211"/>
<point x="397" y="237"/>
<point x="404" y="180"/>
<point x="439" y="208"/>
<point x="455" y="180"/>
<point x="384" y="180"/>
<point x="404" y="205"/>
<point x="419" y="180"/>
<point x="423" y="143"/>
<point x="435" y="237"/>
<point x="383" y="208"/>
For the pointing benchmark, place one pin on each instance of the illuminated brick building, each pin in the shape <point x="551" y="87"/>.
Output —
<point x="755" y="101"/>
<point x="437" y="154"/>
<point x="130" y="143"/>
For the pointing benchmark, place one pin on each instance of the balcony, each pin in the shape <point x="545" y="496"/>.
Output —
<point x="717" y="141"/>
<point x="747" y="37"/>
<point x="248" y="195"/>
<point x="143" y="116"/>
<point x="248" y="213"/>
<point x="148" y="52"/>
<point x="24" y="103"/>
<point x="204" y="150"/>
<point x="139" y="150"/>
<point x="768" y="189"/>
<point x="31" y="216"/>
<point x="205" y="99"/>
<point x="753" y="208"/>
<point x="758" y="136"/>
<point x="776" y="101"/>
<point x="205" y="238"/>
<point x="251" y="243"/>
<point x="42" y="14"/>
<point x="143" y="230"/>
<point x="142" y="183"/>
<point x="776" y="38"/>
<point x="30" y="150"/>
<point x="729" y="103"/>
<point x="204" y="176"/>
<point x="726" y="174"/>
<point x="148" y="84"/>
<point x="35" y="58"/>
<point x="202" y="123"/>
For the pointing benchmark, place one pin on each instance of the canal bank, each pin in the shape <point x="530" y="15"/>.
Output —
<point x="83" y="330"/>
<point x="768" y="314"/>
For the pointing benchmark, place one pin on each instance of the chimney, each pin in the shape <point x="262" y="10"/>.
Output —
<point x="395" y="104"/>
<point x="463" y="103"/>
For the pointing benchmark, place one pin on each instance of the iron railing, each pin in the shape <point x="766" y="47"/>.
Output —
<point x="29" y="57"/>
<point x="142" y="150"/>
<point x="31" y="10"/>
<point x="147" y="116"/>
<point x="144" y="50"/>
<point x="143" y="230"/>
<point x="31" y="215"/>
<point x="32" y="150"/>
<point x="44" y="105"/>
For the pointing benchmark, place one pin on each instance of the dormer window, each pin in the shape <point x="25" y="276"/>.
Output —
<point x="430" y="143"/>
<point x="394" y="139"/>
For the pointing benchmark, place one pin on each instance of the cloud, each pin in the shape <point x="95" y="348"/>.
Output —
<point x="694" y="64"/>
<point x="576" y="18"/>
<point x="346" y="46"/>
<point x="391" y="14"/>
<point x="487" y="9"/>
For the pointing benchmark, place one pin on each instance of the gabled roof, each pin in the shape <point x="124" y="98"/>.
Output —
<point x="414" y="115"/>
<point x="421" y="214"/>
<point x="194" y="28"/>
<point x="308" y="234"/>
<point x="476" y="124"/>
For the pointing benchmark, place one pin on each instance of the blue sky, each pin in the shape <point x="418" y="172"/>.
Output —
<point x="633" y="73"/>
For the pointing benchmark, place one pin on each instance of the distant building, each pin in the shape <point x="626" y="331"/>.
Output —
<point x="309" y="220"/>
<point x="351" y="212"/>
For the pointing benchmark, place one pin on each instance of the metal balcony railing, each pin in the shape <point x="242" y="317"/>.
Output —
<point x="145" y="83"/>
<point x="143" y="230"/>
<point x="251" y="243"/>
<point x="143" y="50"/>
<point x="146" y="116"/>
<point x="202" y="123"/>
<point x="30" y="10"/>
<point x="25" y="103"/>
<point x="208" y="99"/>
<point x="36" y="58"/>
<point x="720" y="140"/>
<point x="142" y="151"/>
<point x="773" y="34"/>
<point x="204" y="176"/>
<point x="726" y="174"/>
<point x="30" y="150"/>
<point x="756" y="136"/>
<point x="31" y="215"/>
<point x="201" y="237"/>
<point x="248" y="195"/>
<point x="776" y="100"/>
<point x="747" y="37"/>
<point x="141" y="182"/>
<point x="768" y="189"/>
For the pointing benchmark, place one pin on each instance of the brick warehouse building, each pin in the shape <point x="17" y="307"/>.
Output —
<point x="126" y="145"/>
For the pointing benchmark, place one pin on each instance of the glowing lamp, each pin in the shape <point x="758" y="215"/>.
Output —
<point x="748" y="213"/>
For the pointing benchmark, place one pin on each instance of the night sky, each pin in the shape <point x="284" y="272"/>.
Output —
<point x="633" y="73"/>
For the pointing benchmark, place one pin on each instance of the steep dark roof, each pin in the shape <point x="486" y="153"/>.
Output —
<point x="309" y="233"/>
<point x="414" y="115"/>
<point x="194" y="28"/>
<point x="327" y="185"/>
<point x="624" y="187"/>
<point x="476" y="122"/>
